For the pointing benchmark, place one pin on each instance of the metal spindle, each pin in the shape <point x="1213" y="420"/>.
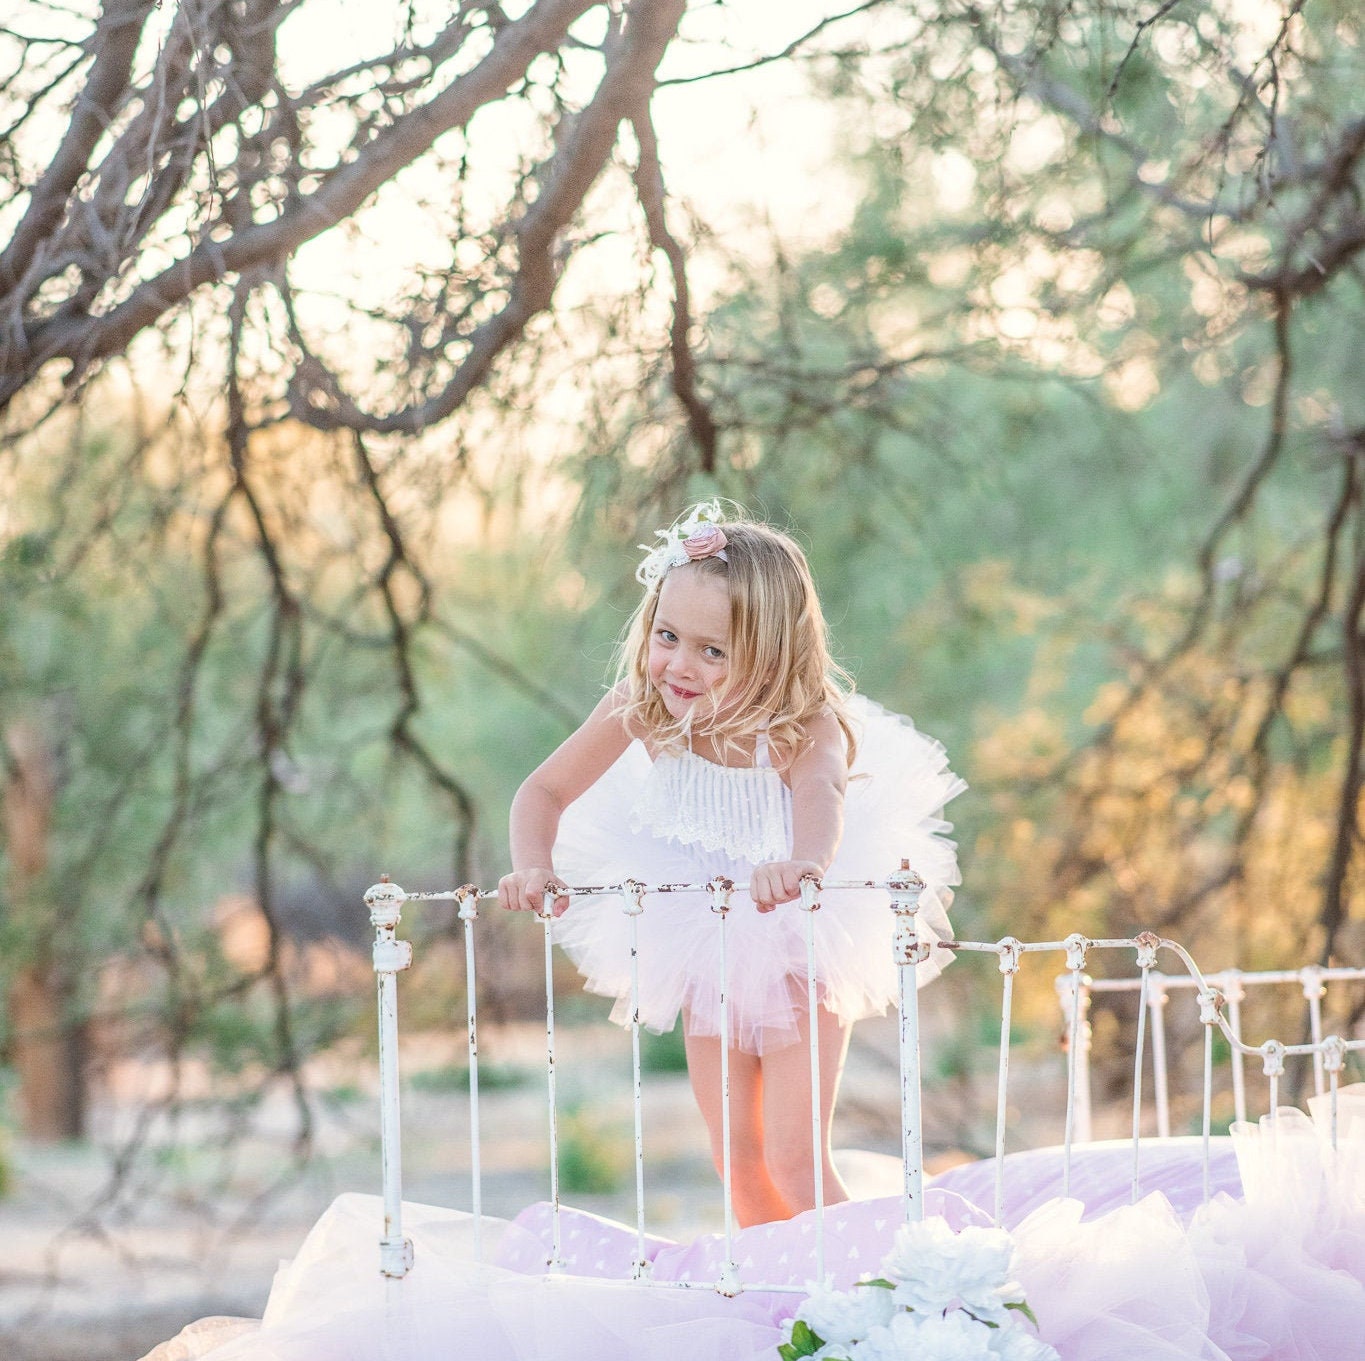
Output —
<point x="555" y="1262"/>
<point x="1334" y="1050"/>
<point x="1146" y="958"/>
<point x="1009" y="966"/>
<point x="632" y="894"/>
<point x="1313" y="990"/>
<point x="1075" y="962"/>
<point x="1272" y="1052"/>
<point x="1234" y="992"/>
<point x="906" y="888"/>
<point x="391" y="957"/>
<point x="1160" y="1077"/>
<point x="468" y="898"/>
<point x="1209" y="1004"/>
<point x="810" y="904"/>
<point x="721" y="889"/>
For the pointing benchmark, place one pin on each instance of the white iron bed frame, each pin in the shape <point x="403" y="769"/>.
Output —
<point x="1219" y="998"/>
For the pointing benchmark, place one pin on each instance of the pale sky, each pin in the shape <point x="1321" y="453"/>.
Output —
<point x="755" y="139"/>
<point x="741" y="149"/>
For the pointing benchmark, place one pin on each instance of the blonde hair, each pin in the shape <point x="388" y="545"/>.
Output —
<point x="780" y="674"/>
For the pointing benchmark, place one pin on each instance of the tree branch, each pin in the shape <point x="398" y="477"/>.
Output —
<point x="114" y="41"/>
<point x="84" y="339"/>
<point x="649" y="188"/>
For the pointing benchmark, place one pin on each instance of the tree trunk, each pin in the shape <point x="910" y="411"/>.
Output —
<point x="47" y="1041"/>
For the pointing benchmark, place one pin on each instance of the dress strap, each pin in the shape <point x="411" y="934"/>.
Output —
<point x="761" y="758"/>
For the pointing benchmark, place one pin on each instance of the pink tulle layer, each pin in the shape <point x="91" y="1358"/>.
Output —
<point x="1270" y="1268"/>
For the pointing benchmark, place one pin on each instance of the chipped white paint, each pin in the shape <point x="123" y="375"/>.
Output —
<point x="633" y="904"/>
<point x="810" y="904"/>
<point x="1231" y="988"/>
<point x="391" y="956"/>
<point x="1218" y="997"/>
<point x="556" y="1258"/>
<point x="1076" y="1005"/>
<point x="1009" y="966"/>
<point x="909" y="951"/>
<point x="467" y="896"/>
<point x="1157" y="998"/>
<point x="728" y="1284"/>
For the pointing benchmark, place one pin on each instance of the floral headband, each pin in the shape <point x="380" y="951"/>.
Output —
<point x="698" y="535"/>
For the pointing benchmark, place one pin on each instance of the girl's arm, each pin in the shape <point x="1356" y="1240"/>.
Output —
<point x="817" y="778"/>
<point x="574" y="765"/>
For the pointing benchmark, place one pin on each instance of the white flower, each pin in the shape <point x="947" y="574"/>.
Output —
<point x="947" y="1302"/>
<point x="878" y="1345"/>
<point x="1017" y="1344"/>
<point x="845" y="1315"/>
<point x="942" y="1337"/>
<point x="934" y="1268"/>
<point x="925" y="1337"/>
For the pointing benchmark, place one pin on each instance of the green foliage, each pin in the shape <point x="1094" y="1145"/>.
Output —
<point x="803" y="1342"/>
<point x="593" y="1158"/>
<point x="1218" y="1125"/>
<point x="343" y="1095"/>
<point x="971" y="1047"/>
<point x="454" y="1077"/>
<point x="666" y="1053"/>
<point x="235" y="1037"/>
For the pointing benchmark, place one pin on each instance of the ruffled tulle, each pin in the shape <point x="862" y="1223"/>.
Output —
<point x="1276" y="1274"/>
<point x="1290" y="1255"/>
<point x="893" y="808"/>
<point x="1272" y="1269"/>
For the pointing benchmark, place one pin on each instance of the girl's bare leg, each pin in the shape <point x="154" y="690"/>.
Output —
<point x="787" y="1112"/>
<point x="755" y="1198"/>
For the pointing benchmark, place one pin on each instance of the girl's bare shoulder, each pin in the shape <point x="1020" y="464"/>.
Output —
<point x="819" y="739"/>
<point x="616" y="707"/>
<point x="584" y="755"/>
<point x="612" y="712"/>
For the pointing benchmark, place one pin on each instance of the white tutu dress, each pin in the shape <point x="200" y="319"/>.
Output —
<point x="685" y="820"/>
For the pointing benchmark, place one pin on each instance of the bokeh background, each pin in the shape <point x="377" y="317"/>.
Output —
<point x="349" y="350"/>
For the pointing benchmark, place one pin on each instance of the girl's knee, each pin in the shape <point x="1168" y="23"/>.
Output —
<point x="790" y="1166"/>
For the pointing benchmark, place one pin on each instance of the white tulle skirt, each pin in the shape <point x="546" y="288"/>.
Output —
<point x="893" y="813"/>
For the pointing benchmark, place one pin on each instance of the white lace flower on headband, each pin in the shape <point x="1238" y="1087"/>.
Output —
<point x="698" y="535"/>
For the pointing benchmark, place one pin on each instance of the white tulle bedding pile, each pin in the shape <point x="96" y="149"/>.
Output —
<point x="1271" y="1268"/>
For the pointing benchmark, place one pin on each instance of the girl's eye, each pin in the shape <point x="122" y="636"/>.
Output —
<point x="714" y="653"/>
<point x="668" y="636"/>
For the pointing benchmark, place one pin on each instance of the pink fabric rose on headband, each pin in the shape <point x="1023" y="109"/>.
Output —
<point x="707" y="542"/>
<point x="696" y="536"/>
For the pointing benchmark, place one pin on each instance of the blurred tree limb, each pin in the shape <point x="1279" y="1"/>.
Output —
<point x="1196" y="204"/>
<point x="79" y="279"/>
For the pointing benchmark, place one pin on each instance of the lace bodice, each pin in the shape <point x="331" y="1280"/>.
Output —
<point x="744" y="812"/>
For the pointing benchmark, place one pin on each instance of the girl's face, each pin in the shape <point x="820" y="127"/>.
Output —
<point x="689" y="646"/>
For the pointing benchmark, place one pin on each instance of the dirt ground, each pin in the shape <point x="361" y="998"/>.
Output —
<point x="87" y="1278"/>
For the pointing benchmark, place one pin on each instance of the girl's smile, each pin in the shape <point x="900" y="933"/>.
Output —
<point x="688" y="648"/>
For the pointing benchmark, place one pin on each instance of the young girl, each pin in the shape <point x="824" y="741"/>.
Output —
<point x="730" y="746"/>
